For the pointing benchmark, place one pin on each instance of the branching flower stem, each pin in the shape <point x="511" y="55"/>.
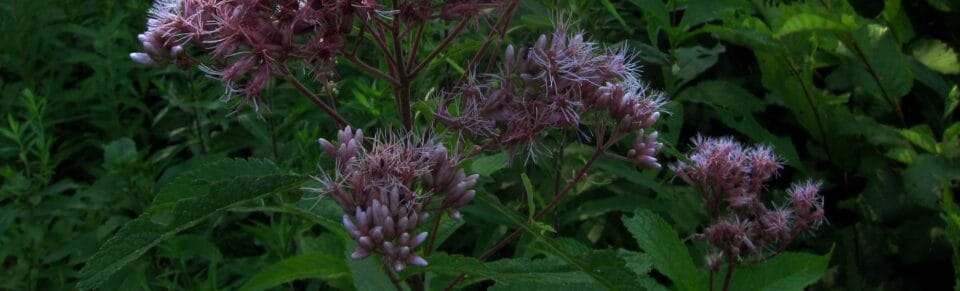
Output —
<point x="341" y="122"/>
<point x="577" y="178"/>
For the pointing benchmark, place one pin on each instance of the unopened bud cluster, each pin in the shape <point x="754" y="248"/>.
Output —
<point x="384" y="190"/>
<point x="731" y="178"/>
<point x="554" y="84"/>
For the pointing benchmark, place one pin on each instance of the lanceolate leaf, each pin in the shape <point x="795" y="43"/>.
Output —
<point x="312" y="265"/>
<point x="164" y="220"/>
<point x="512" y="273"/>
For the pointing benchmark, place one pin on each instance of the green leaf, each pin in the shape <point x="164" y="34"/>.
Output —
<point x="443" y="263"/>
<point x="312" y="265"/>
<point x="513" y="274"/>
<point x="197" y="181"/>
<point x="937" y="55"/>
<point x="447" y="227"/>
<point x="161" y="221"/>
<point x="951" y="102"/>
<point x="613" y="12"/>
<point x="787" y="271"/>
<point x="951" y="217"/>
<point x="656" y="16"/>
<point x="666" y="251"/>
<point x="528" y="186"/>
<point x="120" y="152"/>
<point x="809" y="22"/>
<point x="884" y="72"/>
<point x="751" y="32"/>
<point x="367" y="274"/>
<point x="701" y="11"/>
<point x="489" y="164"/>
<point x="926" y="176"/>
<point x="895" y="15"/>
<point x="692" y="61"/>
<point x="589" y="264"/>
<point x="922" y="137"/>
<point x="942" y="5"/>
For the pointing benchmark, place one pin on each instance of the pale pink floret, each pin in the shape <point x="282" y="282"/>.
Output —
<point x="723" y="170"/>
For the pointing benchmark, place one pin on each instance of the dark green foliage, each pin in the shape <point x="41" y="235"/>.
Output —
<point x="121" y="177"/>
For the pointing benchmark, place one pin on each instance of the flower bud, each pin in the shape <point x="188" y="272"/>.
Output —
<point x="143" y="59"/>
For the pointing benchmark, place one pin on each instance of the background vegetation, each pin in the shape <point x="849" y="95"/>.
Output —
<point x="860" y="94"/>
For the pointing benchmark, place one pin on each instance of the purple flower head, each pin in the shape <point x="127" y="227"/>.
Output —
<point x="555" y="83"/>
<point x="807" y="204"/>
<point x="731" y="177"/>
<point x="384" y="189"/>
<point x="246" y="43"/>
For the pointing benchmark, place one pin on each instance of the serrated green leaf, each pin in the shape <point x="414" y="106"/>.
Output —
<point x="666" y="251"/>
<point x="937" y="55"/>
<point x="163" y="220"/>
<point x="197" y="181"/>
<point x="787" y="271"/>
<point x="883" y="72"/>
<point x="809" y="22"/>
<point x="306" y="266"/>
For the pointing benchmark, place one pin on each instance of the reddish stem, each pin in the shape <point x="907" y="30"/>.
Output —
<point x="313" y="97"/>
<point x="369" y="69"/>
<point x="443" y="45"/>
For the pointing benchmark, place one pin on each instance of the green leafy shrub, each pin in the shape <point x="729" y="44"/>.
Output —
<point x="119" y="176"/>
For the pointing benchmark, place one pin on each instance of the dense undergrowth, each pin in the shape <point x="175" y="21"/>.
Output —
<point x="120" y="176"/>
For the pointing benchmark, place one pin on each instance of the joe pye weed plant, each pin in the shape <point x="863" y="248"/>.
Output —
<point x="403" y="190"/>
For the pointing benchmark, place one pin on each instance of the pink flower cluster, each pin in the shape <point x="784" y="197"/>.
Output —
<point x="377" y="188"/>
<point x="728" y="174"/>
<point x="556" y="83"/>
<point x="248" y="41"/>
